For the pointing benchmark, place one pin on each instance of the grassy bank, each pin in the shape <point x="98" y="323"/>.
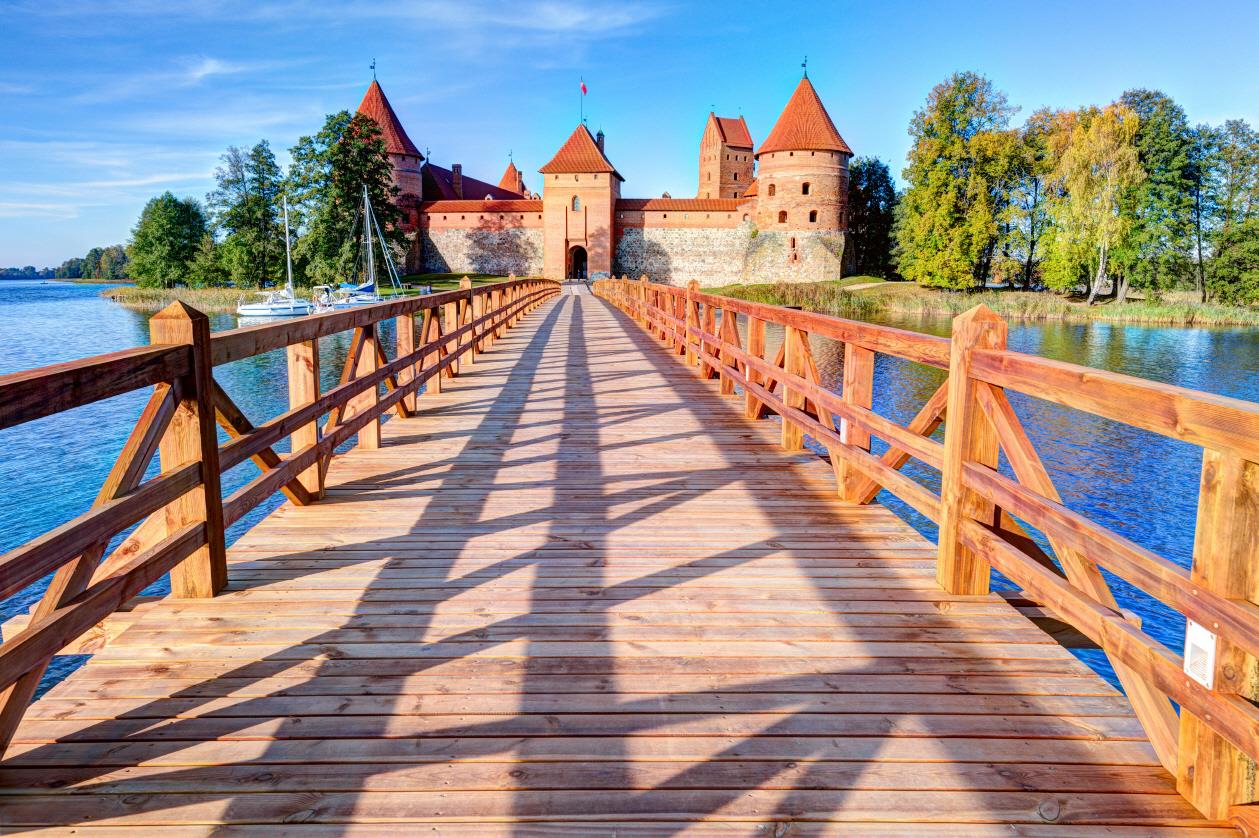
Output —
<point x="842" y="299"/>
<point x="225" y="300"/>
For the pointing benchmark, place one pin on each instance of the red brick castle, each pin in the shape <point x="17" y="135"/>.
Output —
<point x="760" y="215"/>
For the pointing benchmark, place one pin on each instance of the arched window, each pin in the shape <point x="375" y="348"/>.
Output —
<point x="576" y="204"/>
<point x="812" y="216"/>
<point x="736" y="175"/>
<point x="804" y="188"/>
<point x="772" y="190"/>
<point x="782" y="217"/>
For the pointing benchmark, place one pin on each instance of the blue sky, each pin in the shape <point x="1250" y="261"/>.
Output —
<point x="104" y="104"/>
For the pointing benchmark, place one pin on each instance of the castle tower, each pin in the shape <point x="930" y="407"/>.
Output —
<point x="580" y="189"/>
<point x="802" y="185"/>
<point x="513" y="180"/>
<point x="403" y="154"/>
<point x="725" y="158"/>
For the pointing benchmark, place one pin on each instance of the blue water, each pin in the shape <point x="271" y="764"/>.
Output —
<point x="1141" y="485"/>
<point x="1138" y="484"/>
<point x="51" y="469"/>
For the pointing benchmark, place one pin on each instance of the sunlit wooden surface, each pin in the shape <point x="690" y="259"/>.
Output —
<point x="578" y="589"/>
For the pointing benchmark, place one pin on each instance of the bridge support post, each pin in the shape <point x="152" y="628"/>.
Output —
<point x="192" y="435"/>
<point x="859" y="392"/>
<point x="368" y="363"/>
<point x="969" y="437"/>
<point x="303" y="368"/>
<point x="794" y="353"/>
<point x="1213" y="773"/>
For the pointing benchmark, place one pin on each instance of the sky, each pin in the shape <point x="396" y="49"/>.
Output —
<point x="105" y="104"/>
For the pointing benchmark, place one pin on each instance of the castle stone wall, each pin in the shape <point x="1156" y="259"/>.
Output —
<point x="710" y="255"/>
<point x="771" y="257"/>
<point x="487" y="249"/>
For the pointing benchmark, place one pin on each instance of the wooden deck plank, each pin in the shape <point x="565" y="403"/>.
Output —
<point x="579" y="594"/>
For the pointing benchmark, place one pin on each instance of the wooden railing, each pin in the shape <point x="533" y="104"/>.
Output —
<point x="1211" y="745"/>
<point x="181" y="512"/>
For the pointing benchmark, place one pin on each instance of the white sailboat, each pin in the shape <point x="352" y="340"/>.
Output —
<point x="280" y="302"/>
<point x="328" y="298"/>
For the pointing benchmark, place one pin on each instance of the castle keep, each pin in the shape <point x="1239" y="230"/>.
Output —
<point x="774" y="213"/>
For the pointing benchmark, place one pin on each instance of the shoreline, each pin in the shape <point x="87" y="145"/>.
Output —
<point x="861" y="297"/>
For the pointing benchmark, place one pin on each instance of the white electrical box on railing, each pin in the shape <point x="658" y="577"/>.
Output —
<point x="1200" y="654"/>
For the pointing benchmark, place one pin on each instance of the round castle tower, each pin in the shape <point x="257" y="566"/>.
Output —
<point x="802" y="191"/>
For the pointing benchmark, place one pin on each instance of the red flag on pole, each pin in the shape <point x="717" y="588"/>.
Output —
<point x="583" y="87"/>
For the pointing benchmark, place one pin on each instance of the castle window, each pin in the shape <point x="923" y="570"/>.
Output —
<point x="782" y="217"/>
<point x="793" y="242"/>
<point x="736" y="175"/>
<point x="576" y="204"/>
<point x="736" y="193"/>
<point x="745" y="216"/>
<point x="804" y="188"/>
<point x="710" y="177"/>
<point x="772" y="190"/>
<point x="812" y="216"/>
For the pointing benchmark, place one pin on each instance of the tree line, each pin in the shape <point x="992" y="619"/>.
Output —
<point x="236" y="235"/>
<point x="1100" y="199"/>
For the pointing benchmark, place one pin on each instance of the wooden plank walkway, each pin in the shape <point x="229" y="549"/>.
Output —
<point x="579" y="590"/>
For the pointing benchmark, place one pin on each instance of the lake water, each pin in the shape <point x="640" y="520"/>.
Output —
<point x="1141" y="485"/>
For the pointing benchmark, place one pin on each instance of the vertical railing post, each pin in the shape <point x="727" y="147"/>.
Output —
<point x="478" y="311"/>
<point x="756" y="349"/>
<point x="303" y="368"/>
<point x="430" y="331"/>
<point x="368" y="363"/>
<point x="859" y="392"/>
<point x="450" y="312"/>
<point x="1213" y="774"/>
<point x="192" y="435"/>
<point x="692" y="322"/>
<point x="969" y="438"/>
<point x="404" y="327"/>
<point x="710" y="327"/>
<point x="794" y="364"/>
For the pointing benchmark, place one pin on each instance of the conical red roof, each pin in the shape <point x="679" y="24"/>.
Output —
<point x="376" y="106"/>
<point x="512" y="179"/>
<point x="580" y="154"/>
<point x="804" y="125"/>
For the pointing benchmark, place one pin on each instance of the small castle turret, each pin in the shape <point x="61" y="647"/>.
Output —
<point x="403" y="154"/>
<point x="725" y="158"/>
<point x="580" y="189"/>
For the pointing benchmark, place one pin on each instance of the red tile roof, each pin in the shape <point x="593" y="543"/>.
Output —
<point x="751" y="191"/>
<point x="579" y="155"/>
<point x="511" y="180"/>
<point x="679" y="204"/>
<point x="439" y="185"/>
<point x="376" y="106"/>
<point x="804" y="125"/>
<point x="519" y="205"/>
<point x="734" y="132"/>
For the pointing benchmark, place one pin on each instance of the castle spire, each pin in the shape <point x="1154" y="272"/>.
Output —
<point x="804" y="125"/>
<point x="377" y="106"/>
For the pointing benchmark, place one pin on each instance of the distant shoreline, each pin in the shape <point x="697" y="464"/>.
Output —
<point x="858" y="297"/>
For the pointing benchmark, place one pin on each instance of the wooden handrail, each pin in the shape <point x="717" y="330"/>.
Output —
<point x="1212" y="753"/>
<point x="183" y="511"/>
<point x="34" y="394"/>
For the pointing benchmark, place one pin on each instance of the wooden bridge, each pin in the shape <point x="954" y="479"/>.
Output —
<point x="581" y="585"/>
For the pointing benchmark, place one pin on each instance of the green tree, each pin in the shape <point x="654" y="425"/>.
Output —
<point x="958" y="172"/>
<point x="1095" y="165"/>
<point x="871" y="213"/>
<point x="246" y="209"/>
<point x="1026" y="215"/>
<point x="1233" y="275"/>
<point x="70" y="269"/>
<point x="206" y="270"/>
<point x="326" y="178"/>
<point x="1234" y="179"/>
<point x="164" y="240"/>
<point x="1155" y="254"/>
<point x="92" y="263"/>
<point x="113" y="263"/>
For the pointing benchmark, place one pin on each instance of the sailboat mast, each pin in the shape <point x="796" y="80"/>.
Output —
<point x="288" y="251"/>
<point x="367" y="226"/>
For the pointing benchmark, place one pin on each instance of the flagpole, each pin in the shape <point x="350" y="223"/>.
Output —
<point x="581" y="100"/>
